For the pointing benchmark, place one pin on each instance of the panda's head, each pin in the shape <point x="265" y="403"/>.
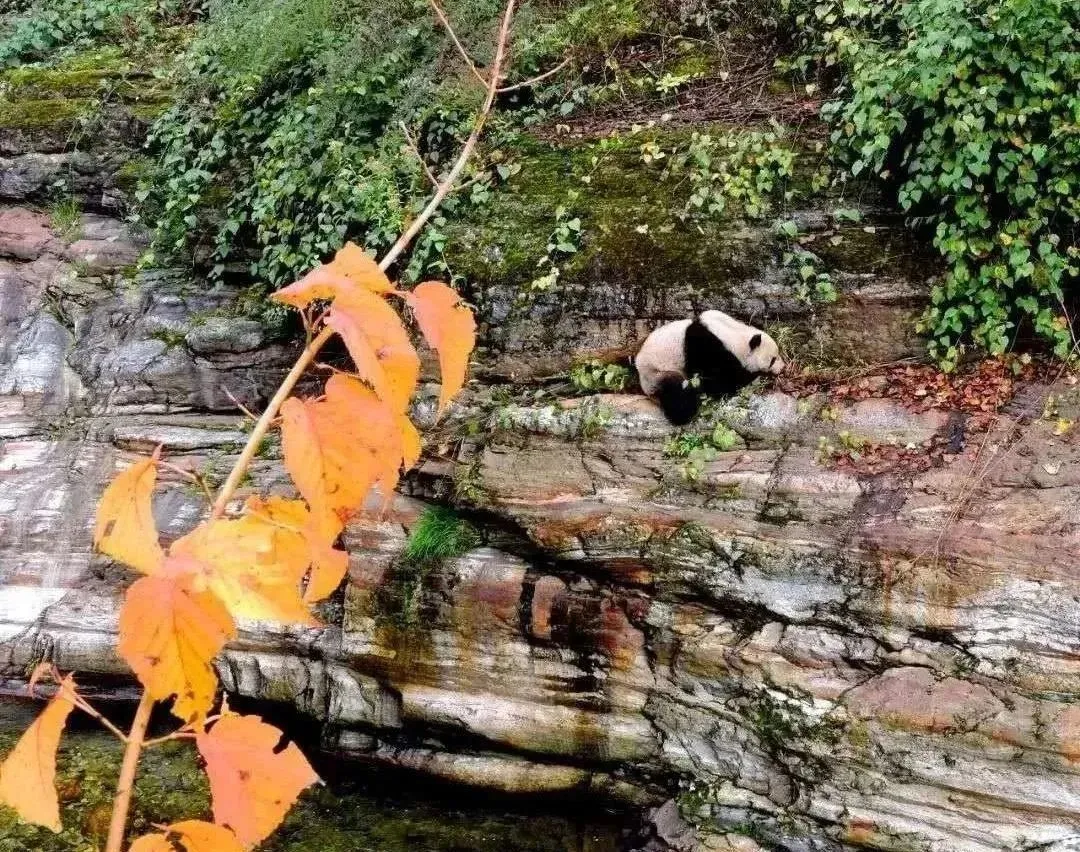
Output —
<point x="756" y="350"/>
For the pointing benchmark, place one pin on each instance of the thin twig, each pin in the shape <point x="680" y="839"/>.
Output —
<point x="980" y="468"/>
<point x="191" y="475"/>
<point x="122" y="802"/>
<point x="420" y="157"/>
<point x="239" y="404"/>
<point x="539" y="78"/>
<point x="466" y="152"/>
<point x="175" y="735"/>
<point x="73" y="696"/>
<point x="264" y="423"/>
<point x="95" y="714"/>
<point x="465" y="184"/>
<point x="441" y="15"/>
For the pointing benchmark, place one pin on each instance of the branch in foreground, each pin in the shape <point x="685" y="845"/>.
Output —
<point x="444" y="188"/>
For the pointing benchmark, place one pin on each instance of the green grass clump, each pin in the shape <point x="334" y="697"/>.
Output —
<point x="439" y="534"/>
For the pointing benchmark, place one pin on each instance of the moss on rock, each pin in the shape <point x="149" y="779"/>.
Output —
<point x="50" y="114"/>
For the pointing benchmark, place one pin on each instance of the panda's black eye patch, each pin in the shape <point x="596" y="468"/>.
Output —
<point x="755" y="342"/>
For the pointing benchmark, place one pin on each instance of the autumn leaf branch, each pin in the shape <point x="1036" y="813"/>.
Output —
<point x="278" y="556"/>
<point x="443" y="189"/>
<point x="433" y="309"/>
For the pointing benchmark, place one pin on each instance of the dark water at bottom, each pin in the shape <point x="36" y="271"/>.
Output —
<point x="361" y="809"/>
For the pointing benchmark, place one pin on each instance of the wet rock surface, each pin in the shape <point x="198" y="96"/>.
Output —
<point x="803" y="656"/>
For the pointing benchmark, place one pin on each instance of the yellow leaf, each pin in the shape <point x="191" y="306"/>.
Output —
<point x="152" y="843"/>
<point x="378" y="344"/>
<point x="351" y="271"/>
<point x="449" y="328"/>
<point x="254" y="567"/>
<point x="190" y="836"/>
<point x="358" y="266"/>
<point x="125" y="529"/>
<point x="28" y="775"/>
<point x="328" y="565"/>
<point x="170" y="630"/>
<point x="252" y="782"/>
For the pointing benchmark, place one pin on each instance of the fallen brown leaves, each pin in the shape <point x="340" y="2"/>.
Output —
<point x="976" y="394"/>
<point x="875" y="459"/>
<point x="983" y="387"/>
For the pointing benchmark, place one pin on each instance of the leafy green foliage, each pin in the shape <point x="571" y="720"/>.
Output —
<point x="596" y="375"/>
<point x="749" y="169"/>
<point x="564" y="241"/>
<point x="812" y="283"/>
<point x="439" y="534"/>
<point x="827" y="35"/>
<point x="972" y="110"/>
<point x="287" y="139"/>
<point x="45" y="27"/>
<point x="697" y="449"/>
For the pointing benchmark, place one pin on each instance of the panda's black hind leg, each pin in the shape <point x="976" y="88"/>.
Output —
<point x="679" y="402"/>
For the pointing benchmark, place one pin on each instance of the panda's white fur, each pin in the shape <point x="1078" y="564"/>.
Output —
<point x="724" y="353"/>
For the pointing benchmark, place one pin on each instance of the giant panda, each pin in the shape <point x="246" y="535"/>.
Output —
<point x="723" y="353"/>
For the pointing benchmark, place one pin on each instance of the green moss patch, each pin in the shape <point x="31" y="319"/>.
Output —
<point x="45" y="114"/>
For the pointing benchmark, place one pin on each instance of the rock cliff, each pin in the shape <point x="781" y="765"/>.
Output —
<point x="852" y="625"/>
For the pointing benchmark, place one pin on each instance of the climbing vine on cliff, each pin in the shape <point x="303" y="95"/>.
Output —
<point x="968" y="111"/>
<point x="270" y="558"/>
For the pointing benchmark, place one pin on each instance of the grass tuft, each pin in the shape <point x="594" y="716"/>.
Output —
<point x="439" y="534"/>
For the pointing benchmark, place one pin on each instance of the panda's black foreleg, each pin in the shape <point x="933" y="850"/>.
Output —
<point x="679" y="402"/>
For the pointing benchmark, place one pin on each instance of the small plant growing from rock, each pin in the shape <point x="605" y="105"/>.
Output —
<point x="698" y="449"/>
<point x="439" y="534"/>
<point x="596" y="375"/>
<point x="65" y="216"/>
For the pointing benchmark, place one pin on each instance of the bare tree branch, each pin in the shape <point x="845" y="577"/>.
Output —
<point x="420" y="157"/>
<point x="445" y="21"/>
<point x="532" y="81"/>
<point x="445" y="186"/>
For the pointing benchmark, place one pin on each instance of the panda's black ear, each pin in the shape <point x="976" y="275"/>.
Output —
<point x="755" y="341"/>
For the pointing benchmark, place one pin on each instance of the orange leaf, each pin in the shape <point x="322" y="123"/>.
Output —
<point x="379" y="345"/>
<point x="28" y="775"/>
<point x="328" y="565"/>
<point x="351" y="271"/>
<point x="170" y="630"/>
<point x="153" y="843"/>
<point x="125" y="528"/>
<point x="338" y="447"/>
<point x="253" y="566"/>
<point x="450" y="329"/>
<point x="323" y="282"/>
<point x="358" y="266"/>
<point x="190" y="836"/>
<point x="253" y="783"/>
